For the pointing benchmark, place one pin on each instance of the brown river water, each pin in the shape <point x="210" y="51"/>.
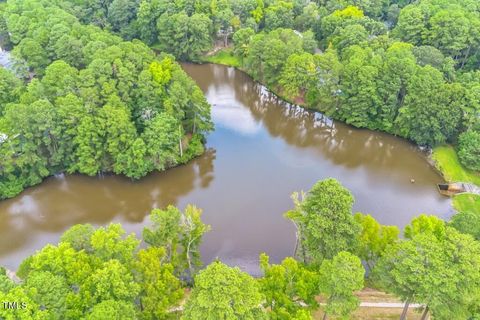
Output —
<point x="262" y="150"/>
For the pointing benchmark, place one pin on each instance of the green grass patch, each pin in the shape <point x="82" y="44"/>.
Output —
<point x="223" y="56"/>
<point x="467" y="203"/>
<point x="447" y="162"/>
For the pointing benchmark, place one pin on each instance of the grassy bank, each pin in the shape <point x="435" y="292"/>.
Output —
<point x="223" y="56"/>
<point x="226" y="57"/>
<point x="447" y="162"/>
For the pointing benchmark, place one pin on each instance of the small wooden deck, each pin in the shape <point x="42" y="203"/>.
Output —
<point x="451" y="189"/>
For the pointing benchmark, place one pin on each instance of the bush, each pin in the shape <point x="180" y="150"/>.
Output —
<point x="467" y="222"/>
<point x="469" y="149"/>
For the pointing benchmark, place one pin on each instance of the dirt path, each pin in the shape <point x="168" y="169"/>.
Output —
<point x="389" y="305"/>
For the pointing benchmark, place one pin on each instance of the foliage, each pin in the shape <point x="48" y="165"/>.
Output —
<point x="452" y="27"/>
<point x="424" y="224"/>
<point x="431" y="270"/>
<point x="299" y="74"/>
<point x="467" y="222"/>
<point x="5" y="283"/>
<point x="279" y="15"/>
<point x="222" y="292"/>
<point x="469" y="149"/>
<point x="99" y="274"/>
<point x="180" y="233"/>
<point x="10" y="88"/>
<point x="268" y="53"/>
<point x="373" y="239"/>
<point x="186" y="37"/>
<point x="95" y="104"/>
<point x="159" y="288"/>
<point x="288" y="288"/>
<point x="324" y="221"/>
<point x="439" y="122"/>
<point x="340" y="277"/>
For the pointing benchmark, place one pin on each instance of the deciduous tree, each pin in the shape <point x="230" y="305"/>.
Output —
<point x="223" y="292"/>
<point x="324" y="221"/>
<point x="340" y="277"/>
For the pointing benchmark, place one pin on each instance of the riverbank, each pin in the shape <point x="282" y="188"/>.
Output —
<point x="445" y="157"/>
<point x="447" y="162"/>
<point x="226" y="57"/>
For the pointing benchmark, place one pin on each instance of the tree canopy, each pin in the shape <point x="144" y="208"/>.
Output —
<point x="99" y="273"/>
<point x="86" y="94"/>
<point x="324" y="221"/>
<point x="91" y="103"/>
<point x="434" y="266"/>
<point x="223" y="292"/>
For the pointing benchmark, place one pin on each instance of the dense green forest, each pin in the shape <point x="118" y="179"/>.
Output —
<point x="88" y="94"/>
<point x="407" y="68"/>
<point x="84" y="100"/>
<point x="105" y="274"/>
<point x="404" y="67"/>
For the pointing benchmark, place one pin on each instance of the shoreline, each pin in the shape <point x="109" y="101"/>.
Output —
<point x="429" y="153"/>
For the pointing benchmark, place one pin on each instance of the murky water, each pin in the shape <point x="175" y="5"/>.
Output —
<point x="261" y="151"/>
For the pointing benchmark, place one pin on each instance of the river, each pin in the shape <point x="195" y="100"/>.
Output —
<point x="262" y="150"/>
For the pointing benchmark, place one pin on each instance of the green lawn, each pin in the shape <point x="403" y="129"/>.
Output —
<point x="447" y="162"/>
<point x="467" y="202"/>
<point x="223" y="56"/>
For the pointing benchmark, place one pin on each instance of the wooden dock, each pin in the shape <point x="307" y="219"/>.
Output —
<point x="451" y="189"/>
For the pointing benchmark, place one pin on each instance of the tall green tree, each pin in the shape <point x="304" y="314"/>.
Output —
<point x="299" y="74"/>
<point x="223" y="292"/>
<point x="339" y="278"/>
<point x="50" y="292"/>
<point x="360" y="96"/>
<point x="33" y="54"/>
<point x="241" y="40"/>
<point x="31" y="310"/>
<point x="112" y="309"/>
<point x="423" y="224"/>
<point x="432" y="270"/>
<point x="399" y="65"/>
<point x="159" y="288"/>
<point x="279" y="15"/>
<point x="324" y="221"/>
<point x="373" y="239"/>
<point x="180" y="233"/>
<point x="162" y="137"/>
<point x="10" y="88"/>
<point x="427" y="116"/>
<point x="469" y="149"/>
<point x="411" y="25"/>
<point x="287" y="288"/>
<point x="186" y="37"/>
<point x="325" y="95"/>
